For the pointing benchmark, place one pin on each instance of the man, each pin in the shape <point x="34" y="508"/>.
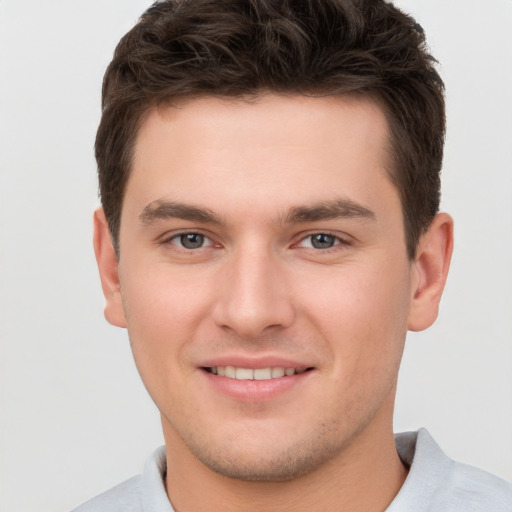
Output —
<point x="269" y="231"/>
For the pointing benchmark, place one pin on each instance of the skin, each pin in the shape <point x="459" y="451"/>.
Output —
<point x="261" y="181"/>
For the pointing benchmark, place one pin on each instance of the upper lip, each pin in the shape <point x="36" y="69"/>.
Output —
<point x="239" y="361"/>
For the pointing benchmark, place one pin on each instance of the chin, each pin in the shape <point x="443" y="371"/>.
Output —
<point x="269" y="462"/>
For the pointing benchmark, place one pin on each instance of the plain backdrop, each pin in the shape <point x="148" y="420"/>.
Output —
<point x="74" y="417"/>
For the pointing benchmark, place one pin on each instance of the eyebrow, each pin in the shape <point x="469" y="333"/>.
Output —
<point x="160" y="210"/>
<point x="337" y="209"/>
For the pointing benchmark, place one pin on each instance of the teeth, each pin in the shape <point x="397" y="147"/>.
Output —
<point x="277" y="372"/>
<point x="253" y="374"/>
<point x="244" y="374"/>
<point x="262" y="374"/>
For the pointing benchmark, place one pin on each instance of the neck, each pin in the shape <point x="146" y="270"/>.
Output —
<point x="366" y="475"/>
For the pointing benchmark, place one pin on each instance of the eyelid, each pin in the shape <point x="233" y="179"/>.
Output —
<point x="168" y="238"/>
<point x="341" y="239"/>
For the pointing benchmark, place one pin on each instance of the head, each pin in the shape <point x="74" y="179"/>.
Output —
<point x="241" y="49"/>
<point x="269" y="174"/>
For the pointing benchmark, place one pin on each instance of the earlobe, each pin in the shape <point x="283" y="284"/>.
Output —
<point x="431" y="270"/>
<point x="108" y="264"/>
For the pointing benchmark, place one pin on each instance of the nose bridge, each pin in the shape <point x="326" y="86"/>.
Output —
<point x="253" y="294"/>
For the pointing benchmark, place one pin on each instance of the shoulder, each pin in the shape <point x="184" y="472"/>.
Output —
<point x="436" y="482"/>
<point x="125" y="497"/>
<point x="470" y="488"/>
<point x="144" y="492"/>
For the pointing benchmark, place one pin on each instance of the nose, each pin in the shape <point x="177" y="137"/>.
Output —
<point x="253" y="296"/>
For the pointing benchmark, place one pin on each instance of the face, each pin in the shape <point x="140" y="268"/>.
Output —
<point x="264" y="279"/>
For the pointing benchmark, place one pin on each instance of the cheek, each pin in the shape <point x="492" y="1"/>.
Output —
<point x="362" y="313"/>
<point x="158" y="298"/>
<point x="163" y="313"/>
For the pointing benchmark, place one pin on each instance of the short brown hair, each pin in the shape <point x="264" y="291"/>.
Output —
<point x="187" y="48"/>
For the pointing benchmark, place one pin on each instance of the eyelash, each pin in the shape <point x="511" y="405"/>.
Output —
<point x="336" y="241"/>
<point x="180" y="236"/>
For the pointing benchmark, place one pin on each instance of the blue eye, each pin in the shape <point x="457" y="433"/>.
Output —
<point x="323" y="241"/>
<point x="320" y="241"/>
<point x="191" y="240"/>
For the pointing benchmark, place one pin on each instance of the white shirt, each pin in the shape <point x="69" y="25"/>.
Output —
<point x="435" y="483"/>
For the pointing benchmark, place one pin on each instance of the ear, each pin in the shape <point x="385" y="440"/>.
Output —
<point x="430" y="272"/>
<point x="108" y="264"/>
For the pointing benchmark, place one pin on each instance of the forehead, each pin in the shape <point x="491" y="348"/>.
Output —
<point x="271" y="118"/>
<point x="239" y="150"/>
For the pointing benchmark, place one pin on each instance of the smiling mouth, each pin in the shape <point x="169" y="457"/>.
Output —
<point x="232" y="372"/>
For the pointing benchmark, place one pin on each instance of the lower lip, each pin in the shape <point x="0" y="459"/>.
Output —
<point x="255" y="390"/>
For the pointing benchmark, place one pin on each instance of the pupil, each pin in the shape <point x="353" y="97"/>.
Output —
<point x="192" y="240"/>
<point x="322" y="241"/>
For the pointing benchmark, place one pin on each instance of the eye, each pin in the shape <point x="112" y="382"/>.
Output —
<point x="320" y="241"/>
<point x="191" y="241"/>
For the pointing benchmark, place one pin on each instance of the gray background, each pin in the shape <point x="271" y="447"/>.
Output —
<point x="74" y="418"/>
